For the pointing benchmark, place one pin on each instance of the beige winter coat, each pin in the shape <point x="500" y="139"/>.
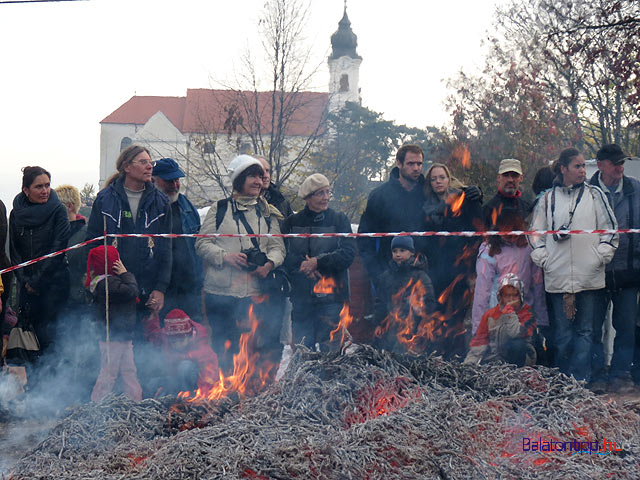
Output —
<point x="221" y="278"/>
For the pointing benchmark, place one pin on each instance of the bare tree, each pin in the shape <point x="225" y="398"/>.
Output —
<point x="275" y="109"/>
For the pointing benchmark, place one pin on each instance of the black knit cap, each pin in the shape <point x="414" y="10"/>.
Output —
<point x="403" y="242"/>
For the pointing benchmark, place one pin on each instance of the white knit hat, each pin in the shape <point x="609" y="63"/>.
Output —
<point x="312" y="184"/>
<point x="240" y="164"/>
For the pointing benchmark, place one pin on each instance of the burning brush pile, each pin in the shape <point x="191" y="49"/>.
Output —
<point x="358" y="414"/>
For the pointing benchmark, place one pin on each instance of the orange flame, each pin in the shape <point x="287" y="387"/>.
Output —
<point x="462" y="152"/>
<point x="495" y="213"/>
<point x="455" y="202"/>
<point x="345" y="321"/>
<point x="326" y="285"/>
<point x="244" y="367"/>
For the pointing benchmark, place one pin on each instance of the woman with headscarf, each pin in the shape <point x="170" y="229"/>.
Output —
<point x="450" y="206"/>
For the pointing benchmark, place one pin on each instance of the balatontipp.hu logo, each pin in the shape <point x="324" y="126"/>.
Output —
<point x="572" y="447"/>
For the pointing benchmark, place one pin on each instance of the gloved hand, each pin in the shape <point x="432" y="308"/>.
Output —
<point x="472" y="193"/>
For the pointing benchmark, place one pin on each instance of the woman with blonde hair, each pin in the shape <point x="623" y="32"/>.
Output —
<point x="450" y="206"/>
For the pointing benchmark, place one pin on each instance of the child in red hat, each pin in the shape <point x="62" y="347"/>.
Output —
<point x="190" y="362"/>
<point x="117" y="356"/>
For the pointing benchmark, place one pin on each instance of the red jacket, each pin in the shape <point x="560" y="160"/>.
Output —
<point x="481" y="337"/>
<point x="198" y="351"/>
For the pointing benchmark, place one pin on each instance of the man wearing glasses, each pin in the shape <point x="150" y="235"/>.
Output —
<point x="317" y="267"/>
<point x="622" y="273"/>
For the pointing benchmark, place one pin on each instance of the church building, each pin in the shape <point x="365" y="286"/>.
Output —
<point x="205" y="129"/>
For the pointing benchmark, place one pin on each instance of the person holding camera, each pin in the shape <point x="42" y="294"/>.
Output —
<point x="317" y="267"/>
<point x="236" y="268"/>
<point x="573" y="264"/>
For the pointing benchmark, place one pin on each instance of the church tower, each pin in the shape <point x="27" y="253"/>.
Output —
<point x="344" y="66"/>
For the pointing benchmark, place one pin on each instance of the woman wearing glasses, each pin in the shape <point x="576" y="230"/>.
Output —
<point x="130" y="203"/>
<point x="317" y="267"/>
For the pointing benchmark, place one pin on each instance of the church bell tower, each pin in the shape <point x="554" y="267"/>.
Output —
<point x="344" y="66"/>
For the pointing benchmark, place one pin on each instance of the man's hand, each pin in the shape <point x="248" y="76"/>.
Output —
<point x="309" y="266"/>
<point x="155" y="301"/>
<point x="236" y="260"/>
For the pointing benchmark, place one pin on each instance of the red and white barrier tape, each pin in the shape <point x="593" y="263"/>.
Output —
<point x="321" y="235"/>
<point x="49" y="255"/>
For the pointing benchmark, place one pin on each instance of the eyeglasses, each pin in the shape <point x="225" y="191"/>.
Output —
<point x="322" y="193"/>
<point x="145" y="162"/>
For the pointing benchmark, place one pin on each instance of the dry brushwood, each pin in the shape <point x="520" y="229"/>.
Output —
<point x="362" y="414"/>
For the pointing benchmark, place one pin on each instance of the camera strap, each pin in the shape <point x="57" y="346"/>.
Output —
<point x="238" y="216"/>
<point x="571" y="211"/>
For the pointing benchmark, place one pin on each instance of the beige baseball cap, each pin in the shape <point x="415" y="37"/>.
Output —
<point x="510" y="165"/>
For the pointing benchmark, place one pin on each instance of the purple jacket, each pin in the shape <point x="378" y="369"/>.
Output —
<point x="489" y="269"/>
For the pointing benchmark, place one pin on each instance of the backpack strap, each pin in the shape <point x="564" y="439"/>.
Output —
<point x="221" y="211"/>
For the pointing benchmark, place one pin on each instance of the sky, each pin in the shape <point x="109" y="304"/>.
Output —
<point x="67" y="65"/>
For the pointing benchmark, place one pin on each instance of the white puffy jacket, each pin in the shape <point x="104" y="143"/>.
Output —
<point x="577" y="263"/>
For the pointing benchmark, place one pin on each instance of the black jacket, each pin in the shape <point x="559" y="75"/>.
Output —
<point x="400" y="279"/>
<point x="78" y="261"/>
<point x="35" y="230"/>
<point x="390" y="208"/>
<point x="335" y="255"/>
<point x="503" y="205"/>
<point x="123" y="292"/>
<point x="150" y="260"/>
<point x="450" y="257"/>
<point x="274" y="197"/>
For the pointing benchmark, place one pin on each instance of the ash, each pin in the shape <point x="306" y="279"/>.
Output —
<point x="358" y="414"/>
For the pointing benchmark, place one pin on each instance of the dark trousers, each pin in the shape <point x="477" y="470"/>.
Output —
<point x="229" y="319"/>
<point x="573" y="338"/>
<point x="515" y="351"/>
<point x="312" y="322"/>
<point x="189" y="302"/>
<point x="625" y="309"/>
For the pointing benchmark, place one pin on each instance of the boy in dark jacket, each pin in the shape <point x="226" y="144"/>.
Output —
<point x="117" y="353"/>
<point x="405" y="297"/>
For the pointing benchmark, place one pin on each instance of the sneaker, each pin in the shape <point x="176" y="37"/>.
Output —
<point x="598" y="387"/>
<point x="621" y="385"/>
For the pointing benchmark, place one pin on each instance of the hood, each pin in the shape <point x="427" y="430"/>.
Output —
<point x="30" y="215"/>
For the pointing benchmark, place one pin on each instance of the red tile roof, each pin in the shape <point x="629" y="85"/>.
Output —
<point x="138" y="110"/>
<point x="206" y="110"/>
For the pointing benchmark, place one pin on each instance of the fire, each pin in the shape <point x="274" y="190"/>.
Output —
<point x="495" y="213"/>
<point x="462" y="152"/>
<point x="244" y="367"/>
<point x="326" y="285"/>
<point x="345" y="321"/>
<point x="455" y="202"/>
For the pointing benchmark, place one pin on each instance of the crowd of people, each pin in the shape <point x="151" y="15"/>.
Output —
<point x="171" y="311"/>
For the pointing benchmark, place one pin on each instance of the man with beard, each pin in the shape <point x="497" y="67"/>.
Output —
<point x="509" y="197"/>
<point x="184" y="291"/>
<point x="394" y="206"/>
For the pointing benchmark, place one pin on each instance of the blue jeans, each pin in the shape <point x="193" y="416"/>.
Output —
<point x="573" y="338"/>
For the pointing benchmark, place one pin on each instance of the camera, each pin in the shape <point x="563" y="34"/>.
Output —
<point x="559" y="237"/>
<point x="255" y="258"/>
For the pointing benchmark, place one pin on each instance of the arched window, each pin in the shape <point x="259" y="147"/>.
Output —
<point x="125" y="142"/>
<point x="344" y="83"/>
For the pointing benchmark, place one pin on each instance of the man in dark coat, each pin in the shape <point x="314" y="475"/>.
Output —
<point x="509" y="196"/>
<point x="317" y="267"/>
<point x="4" y="263"/>
<point x="622" y="273"/>
<point x="185" y="288"/>
<point x="395" y="206"/>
